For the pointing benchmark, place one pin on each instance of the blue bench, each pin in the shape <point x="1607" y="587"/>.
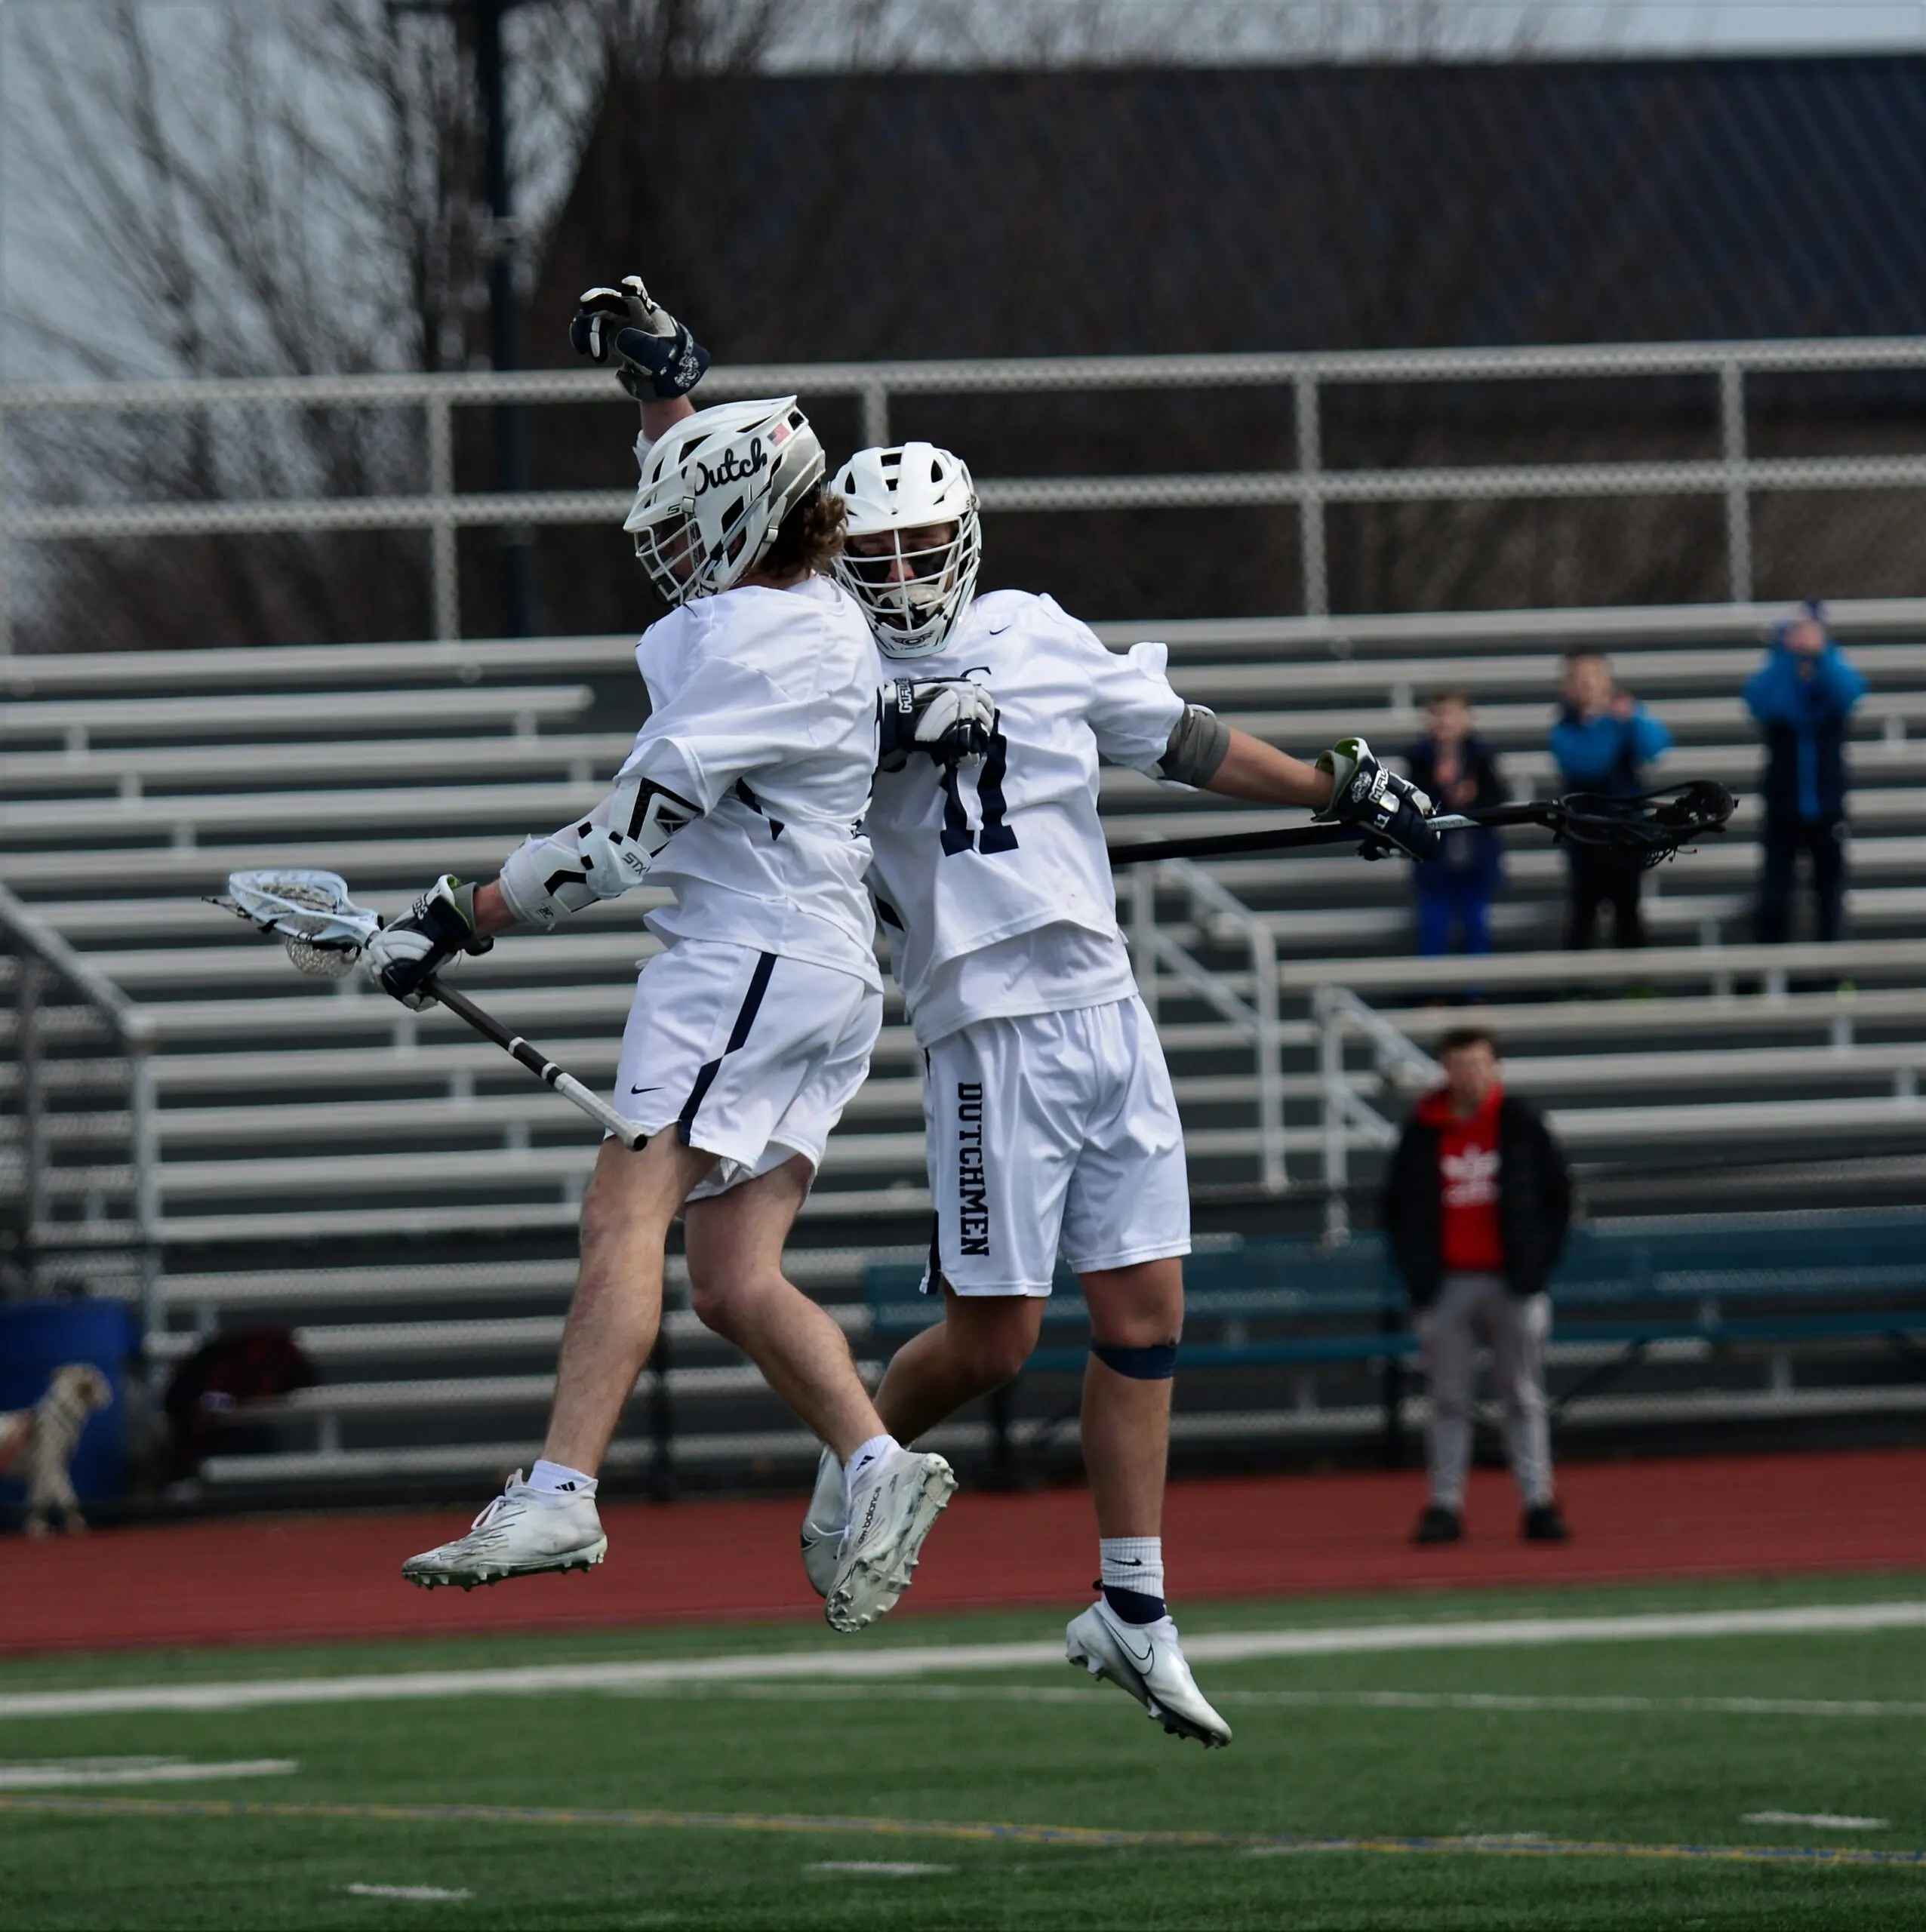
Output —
<point x="1719" y="1281"/>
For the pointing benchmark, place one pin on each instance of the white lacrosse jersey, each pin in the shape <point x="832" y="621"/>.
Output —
<point x="764" y="714"/>
<point x="995" y="884"/>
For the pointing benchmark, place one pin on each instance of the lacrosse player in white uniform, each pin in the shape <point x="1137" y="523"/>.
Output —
<point x="1050" y="1120"/>
<point x="744" y="795"/>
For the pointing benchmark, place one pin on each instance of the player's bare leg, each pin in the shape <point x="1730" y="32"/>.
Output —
<point x="1126" y="1417"/>
<point x="735" y="1243"/>
<point x="550" y="1522"/>
<point x="1126" y="1637"/>
<point x="981" y="1342"/>
<point x="891" y="1497"/>
<point x="617" y="1305"/>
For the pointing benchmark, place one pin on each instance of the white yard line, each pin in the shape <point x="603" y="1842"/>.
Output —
<point x="1825" y="1821"/>
<point x="859" y="1663"/>
<point x="1391" y="1700"/>
<point x="74" y="1773"/>
<point x="880" y="1868"/>
<point x="421" y="1894"/>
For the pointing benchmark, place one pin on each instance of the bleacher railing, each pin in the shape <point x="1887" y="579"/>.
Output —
<point x="1157" y="953"/>
<point x="80" y="1182"/>
<point x="1357" y="1100"/>
<point x="1352" y="1099"/>
<point x="440" y="510"/>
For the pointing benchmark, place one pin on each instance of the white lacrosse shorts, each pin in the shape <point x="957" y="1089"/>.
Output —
<point x="744" y="1054"/>
<point x="1053" y="1130"/>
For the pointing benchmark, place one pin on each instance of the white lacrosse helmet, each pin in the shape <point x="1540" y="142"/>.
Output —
<point x="913" y="596"/>
<point x="714" y="491"/>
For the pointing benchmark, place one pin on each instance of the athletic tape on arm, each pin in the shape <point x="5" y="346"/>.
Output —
<point x="1196" y="749"/>
<point x="601" y="856"/>
<point x="1199" y="740"/>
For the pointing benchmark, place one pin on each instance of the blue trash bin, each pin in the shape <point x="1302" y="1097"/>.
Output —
<point x="36" y="1337"/>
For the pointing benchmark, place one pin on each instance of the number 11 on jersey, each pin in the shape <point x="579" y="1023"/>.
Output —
<point x="996" y="835"/>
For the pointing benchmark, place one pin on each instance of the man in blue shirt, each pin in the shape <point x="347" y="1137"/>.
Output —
<point x="1802" y="695"/>
<point x="1603" y="741"/>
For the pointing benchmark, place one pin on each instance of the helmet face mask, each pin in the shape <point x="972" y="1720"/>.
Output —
<point x="714" y="492"/>
<point x="915" y="544"/>
<point x="906" y="575"/>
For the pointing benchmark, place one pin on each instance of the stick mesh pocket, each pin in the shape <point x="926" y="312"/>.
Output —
<point x="316" y="959"/>
<point x="322" y="928"/>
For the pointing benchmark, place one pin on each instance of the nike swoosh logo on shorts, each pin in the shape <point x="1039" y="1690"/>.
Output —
<point x="645" y="1090"/>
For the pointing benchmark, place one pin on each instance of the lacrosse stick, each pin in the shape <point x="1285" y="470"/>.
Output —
<point x="1642" y="831"/>
<point x="325" y="931"/>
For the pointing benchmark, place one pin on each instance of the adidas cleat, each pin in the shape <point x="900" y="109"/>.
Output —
<point x="522" y="1532"/>
<point x="891" y="1513"/>
<point x="822" y="1527"/>
<point x="1146" y="1660"/>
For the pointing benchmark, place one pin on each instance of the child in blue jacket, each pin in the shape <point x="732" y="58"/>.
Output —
<point x="1459" y="769"/>
<point x="1802" y="696"/>
<point x="1603" y="741"/>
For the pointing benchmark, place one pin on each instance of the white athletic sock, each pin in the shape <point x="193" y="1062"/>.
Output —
<point x="864" y="1462"/>
<point x="1133" y="1563"/>
<point x="558" y="1480"/>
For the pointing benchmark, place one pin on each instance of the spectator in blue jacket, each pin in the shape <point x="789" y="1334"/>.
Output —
<point x="1802" y="695"/>
<point x="1459" y="769"/>
<point x="1603" y="741"/>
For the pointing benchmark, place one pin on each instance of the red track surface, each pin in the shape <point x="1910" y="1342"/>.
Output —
<point x="283" y="1579"/>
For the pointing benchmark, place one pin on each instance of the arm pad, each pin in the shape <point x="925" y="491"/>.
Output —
<point x="601" y="856"/>
<point x="1199" y="739"/>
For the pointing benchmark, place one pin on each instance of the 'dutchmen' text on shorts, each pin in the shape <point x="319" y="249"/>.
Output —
<point x="1052" y="1131"/>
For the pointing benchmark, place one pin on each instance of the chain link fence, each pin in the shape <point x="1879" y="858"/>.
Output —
<point x="333" y="509"/>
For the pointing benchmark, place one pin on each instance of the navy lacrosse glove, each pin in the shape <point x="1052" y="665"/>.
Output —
<point x="951" y="719"/>
<point x="1364" y="793"/>
<point x="654" y="357"/>
<point x="437" y="927"/>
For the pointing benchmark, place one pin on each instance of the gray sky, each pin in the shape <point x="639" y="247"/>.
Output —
<point x="38" y="259"/>
<point x="1781" y="25"/>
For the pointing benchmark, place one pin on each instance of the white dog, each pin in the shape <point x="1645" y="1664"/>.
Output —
<point x="45" y="1436"/>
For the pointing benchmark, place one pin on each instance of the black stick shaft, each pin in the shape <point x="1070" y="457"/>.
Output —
<point x="538" y="1062"/>
<point x="1283" y="839"/>
<point x="486" y="1024"/>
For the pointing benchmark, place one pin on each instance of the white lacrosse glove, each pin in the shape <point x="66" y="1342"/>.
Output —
<point x="438" y="927"/>
<point x="654" y="357"/>
<point x="950" y="719"/>
<point x="1391" y="809"/>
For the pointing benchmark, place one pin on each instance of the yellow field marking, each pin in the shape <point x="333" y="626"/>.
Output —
<point x="1086" y="1836"/>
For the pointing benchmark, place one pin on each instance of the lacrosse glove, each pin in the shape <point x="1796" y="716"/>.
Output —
<point x="437" y="927"/>
<point x="1391" y="809"/>
<point x="950" y="719"/>
<point x="654" y="357"/>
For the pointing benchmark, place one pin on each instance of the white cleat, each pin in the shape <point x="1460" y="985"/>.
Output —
<point x="892" y="1511"/>
<point x="822" y="1527"/>
<point x="1146" y="1660"/>
<point x="521" y="1533"/>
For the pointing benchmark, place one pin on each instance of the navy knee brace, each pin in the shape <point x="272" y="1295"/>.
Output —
<point x="1156" y="1364"/>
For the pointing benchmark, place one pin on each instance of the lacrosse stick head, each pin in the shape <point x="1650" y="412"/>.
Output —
<point x="1646" y="830"/>
<point x="310" y="912"/>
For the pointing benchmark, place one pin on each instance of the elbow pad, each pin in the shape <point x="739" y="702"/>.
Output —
<point x="601" y="856"/>
<point x="1199" y="739"/>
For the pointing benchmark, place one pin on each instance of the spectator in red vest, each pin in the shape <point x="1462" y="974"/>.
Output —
<point x="1476" y="1203"/>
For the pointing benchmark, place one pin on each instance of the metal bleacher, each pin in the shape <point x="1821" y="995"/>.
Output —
<point x="399" y="1194"/>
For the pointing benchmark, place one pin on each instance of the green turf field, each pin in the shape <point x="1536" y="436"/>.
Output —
<point x="1593" y="1783"/>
